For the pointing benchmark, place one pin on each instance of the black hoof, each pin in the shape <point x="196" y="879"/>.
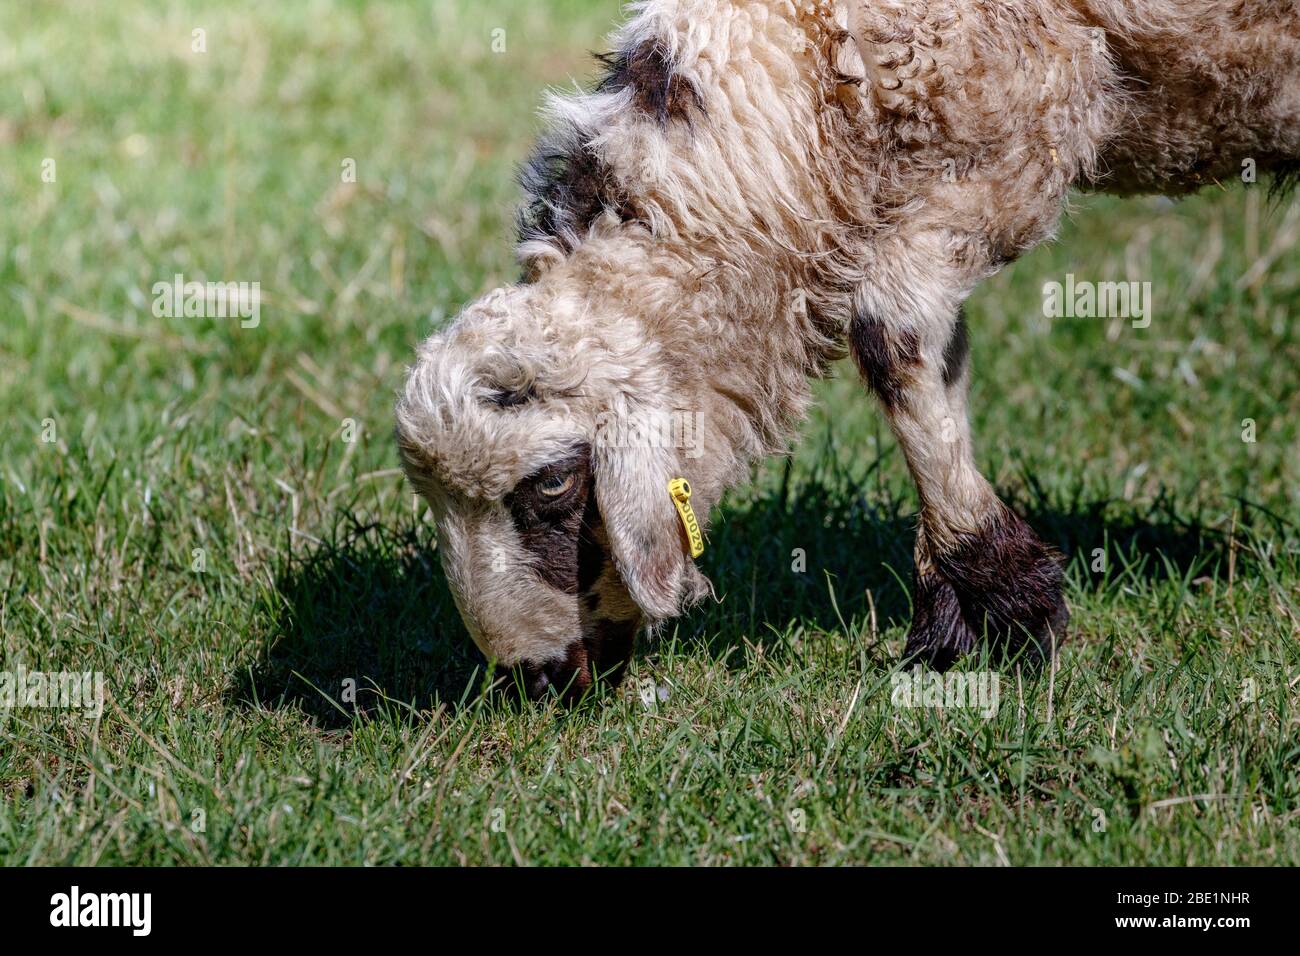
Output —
<point x="939" y="634"/>
<point x="1008" y="583"/>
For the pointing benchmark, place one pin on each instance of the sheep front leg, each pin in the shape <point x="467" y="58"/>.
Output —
<point x="981" y="573"/>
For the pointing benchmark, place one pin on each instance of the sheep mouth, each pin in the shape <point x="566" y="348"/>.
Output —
<point x="598" y="661"/>
<point x="609" y="650"/>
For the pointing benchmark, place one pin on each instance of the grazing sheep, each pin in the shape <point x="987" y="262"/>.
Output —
<point x="753" y="189"/>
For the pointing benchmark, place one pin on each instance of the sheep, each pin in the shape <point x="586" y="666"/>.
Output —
<point x="752" y="191"/>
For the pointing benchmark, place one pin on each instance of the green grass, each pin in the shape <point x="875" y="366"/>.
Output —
<point x="1169" y="734"/>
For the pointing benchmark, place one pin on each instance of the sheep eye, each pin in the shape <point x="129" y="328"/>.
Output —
<point x="555" y="485"/>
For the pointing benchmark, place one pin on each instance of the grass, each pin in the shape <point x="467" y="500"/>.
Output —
<point x="181" y="508"/>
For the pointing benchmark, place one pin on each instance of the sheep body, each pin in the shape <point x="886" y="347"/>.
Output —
<point x="756" y="188"/>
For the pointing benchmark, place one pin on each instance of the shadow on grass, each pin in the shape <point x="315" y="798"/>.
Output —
<point x="371" y="604"/>
<point x="856" y="556"/>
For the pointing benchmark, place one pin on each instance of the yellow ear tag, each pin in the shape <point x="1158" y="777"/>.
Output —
<point x="680" y="489"/>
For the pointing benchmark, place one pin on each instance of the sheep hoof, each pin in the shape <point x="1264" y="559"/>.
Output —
<point x="1008" y="583"/>
<point x="939" y="634"/>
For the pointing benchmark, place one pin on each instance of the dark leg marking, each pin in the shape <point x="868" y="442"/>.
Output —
<point x="956" y="352"/>
<point x="884" y="358"/>
<point x="1008" y="583"/>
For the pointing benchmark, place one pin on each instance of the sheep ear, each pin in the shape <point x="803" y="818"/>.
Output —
<point x="645" y="534"/>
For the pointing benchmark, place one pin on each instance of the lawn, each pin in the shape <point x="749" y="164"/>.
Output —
<point x="209" y="512"/>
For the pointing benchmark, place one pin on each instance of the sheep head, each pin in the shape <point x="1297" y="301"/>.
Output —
<point x="532" y="426"/>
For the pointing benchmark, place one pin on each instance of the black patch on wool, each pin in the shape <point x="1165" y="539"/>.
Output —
<point x="510" y="398"/>
<point x="657" y="89"/>
<point x="566" y="184"/>
<point x="884" y="357"/>
<point x="568" y="188"/>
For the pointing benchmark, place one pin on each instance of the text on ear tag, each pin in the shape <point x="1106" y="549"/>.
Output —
<point x="680" y="489"/>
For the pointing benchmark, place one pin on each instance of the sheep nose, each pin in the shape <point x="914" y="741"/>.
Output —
<point x="539" y="678"/>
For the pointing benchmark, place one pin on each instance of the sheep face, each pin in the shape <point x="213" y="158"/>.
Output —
<point x="559" y="544"/>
